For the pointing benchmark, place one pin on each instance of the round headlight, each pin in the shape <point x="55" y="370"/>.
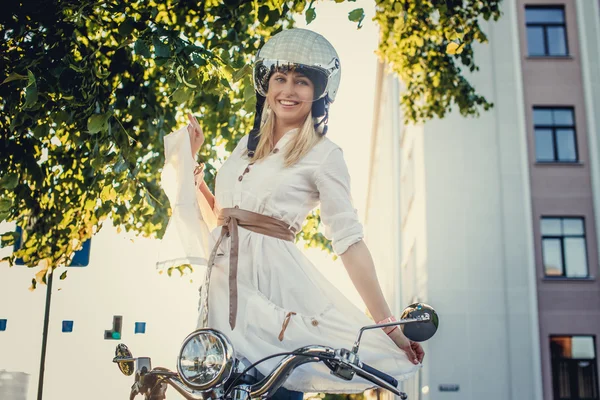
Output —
<point x="206" y="359"/>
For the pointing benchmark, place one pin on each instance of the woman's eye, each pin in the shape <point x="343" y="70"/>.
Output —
<point x="303" y="82"/>
<point x="279" y="79"/>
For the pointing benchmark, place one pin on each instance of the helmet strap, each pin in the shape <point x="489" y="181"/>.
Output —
<point x="253" y="136"/>
<point x="320" y="112"/>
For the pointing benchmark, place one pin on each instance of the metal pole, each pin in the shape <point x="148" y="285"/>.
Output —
<point x="45" y="335"/>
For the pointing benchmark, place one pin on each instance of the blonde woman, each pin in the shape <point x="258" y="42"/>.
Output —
<point x="264" y="294"/>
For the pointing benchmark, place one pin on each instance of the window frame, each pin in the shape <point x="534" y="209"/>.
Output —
<point x="555" y="364"/>
<point x="562" y="247"/>
<point x="554" y="128"/>
<point x="544" y="26"/>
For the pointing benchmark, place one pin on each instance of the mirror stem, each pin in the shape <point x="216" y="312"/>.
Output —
<point x="421" y="318"/>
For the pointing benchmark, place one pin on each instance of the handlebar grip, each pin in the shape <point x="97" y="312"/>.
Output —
<point x="381" y="375"/>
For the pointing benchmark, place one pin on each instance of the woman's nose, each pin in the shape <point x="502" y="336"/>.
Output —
<point x="289" y="87"/>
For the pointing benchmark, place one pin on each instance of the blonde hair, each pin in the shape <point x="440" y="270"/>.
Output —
<point x="302" y="142"/>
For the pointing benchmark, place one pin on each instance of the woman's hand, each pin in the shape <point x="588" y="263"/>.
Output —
<point x="413" y="350"/>
<point x="196" y="134"/>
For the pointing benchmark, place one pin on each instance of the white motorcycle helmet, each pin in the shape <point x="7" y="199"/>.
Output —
<point x="303" y="51"/>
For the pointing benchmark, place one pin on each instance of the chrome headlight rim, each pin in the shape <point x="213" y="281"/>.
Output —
<point x="225" y="371"/>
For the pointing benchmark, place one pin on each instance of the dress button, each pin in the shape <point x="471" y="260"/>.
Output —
<point x="314" y="322"/>
<point x="247" y="170"/>
<point x="275" y="150"/>
<point x="240" y="178"/>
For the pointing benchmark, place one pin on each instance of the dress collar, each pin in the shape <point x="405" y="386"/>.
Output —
<point x="286" y="137"/>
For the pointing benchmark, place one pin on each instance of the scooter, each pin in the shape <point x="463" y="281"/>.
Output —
<point x="207" y="367"/>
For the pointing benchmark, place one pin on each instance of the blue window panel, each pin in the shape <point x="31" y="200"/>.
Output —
<point x="80" y="259"/>
<point x="140" y="327"/>
<point x="67" y="326"/>
<point x="2" y="325"/>
<point x="82" y="256"/>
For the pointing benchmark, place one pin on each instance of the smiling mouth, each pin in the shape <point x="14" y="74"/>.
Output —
<point x="288" y="103"/>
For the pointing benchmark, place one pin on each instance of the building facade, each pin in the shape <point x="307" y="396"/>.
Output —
<point x="495" y="219"/>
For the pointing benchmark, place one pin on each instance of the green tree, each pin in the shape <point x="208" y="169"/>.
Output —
<point x="90" y="88"/>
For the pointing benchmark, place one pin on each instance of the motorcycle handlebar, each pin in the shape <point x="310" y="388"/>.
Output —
<point x="284" y="368"/>
<point x="381" y="375"/>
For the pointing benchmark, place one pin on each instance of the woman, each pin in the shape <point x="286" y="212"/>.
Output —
<point x="264" y="294"/>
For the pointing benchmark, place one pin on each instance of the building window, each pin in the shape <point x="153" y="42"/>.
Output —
<point x="563" y="247"/>
<point x="546" y="31"/>
<point x="140" y="327"/>
<point x="67" y="326"/>
<point x="574" y="373"/>
<point x="555" y="135"/>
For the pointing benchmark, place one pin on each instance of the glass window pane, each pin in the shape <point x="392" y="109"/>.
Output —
<point x="573" y="226"/>
<point x="575" y="258"/>
<point x="544" y="15"/>
<point x="552" y="257"/>
<point x="551" y="226"/>
<point x="535" y="41"/>
<point x="560" y="346"/>
<point x="583" y="347"/>
<point x="544" y="145"/>
<point x="557" y="43"/>
<point x="542" y="116"/>
<point x="563" y="116"/>
<point x="565" y="141"/>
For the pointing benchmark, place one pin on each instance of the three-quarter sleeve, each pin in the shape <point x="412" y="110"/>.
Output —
<point x="338" y="214"/>
<point x="186" y="239"/>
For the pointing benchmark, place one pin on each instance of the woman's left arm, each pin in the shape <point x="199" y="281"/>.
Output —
<point x="358" y="262"/>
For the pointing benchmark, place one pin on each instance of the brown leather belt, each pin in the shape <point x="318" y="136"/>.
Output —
<point x="229" y="219"/>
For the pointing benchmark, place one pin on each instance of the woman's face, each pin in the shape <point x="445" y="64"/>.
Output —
<point x="290" y="96"/>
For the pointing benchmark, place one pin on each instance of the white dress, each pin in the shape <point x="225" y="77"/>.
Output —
<point x="274" y="277"/>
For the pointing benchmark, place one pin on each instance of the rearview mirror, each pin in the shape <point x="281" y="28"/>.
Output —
<point x="425" y="328"/>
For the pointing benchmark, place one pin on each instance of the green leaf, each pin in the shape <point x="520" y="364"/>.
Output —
<point x="31" y="92"/>
<point x="225" y="83"/>
<point x="98" y="123"/>
<point x="41" y="131"/>
<point x="4" y="215"/>
<point x="141" y="48"/>
<point x="454" y="48"/>
<point x="161" y="49"/>
<point x="120" y="166"/>
<point x="310" y="14"/>
<point x="8" y="239"/>
<point x="5" y="204"/>
<point x="63" y="276"/>
<point x="9" y="181"/>
<point x="357" y="15"/>
<point x="246" y="69"/>
<point x="126" y="27"/>
<point x="198" y="60"/>
<point x="181" y="95"/>
<point x="13" y="77"/>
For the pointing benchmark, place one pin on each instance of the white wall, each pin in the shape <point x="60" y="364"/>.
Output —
<point x="120" y="280"/>
<point x="467" y="246"/>
<point x="479" y="236"/>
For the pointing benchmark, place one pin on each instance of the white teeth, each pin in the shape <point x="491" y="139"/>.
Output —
<point x="287" y="103"/>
